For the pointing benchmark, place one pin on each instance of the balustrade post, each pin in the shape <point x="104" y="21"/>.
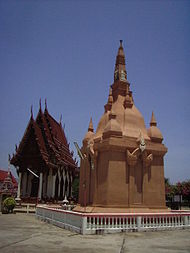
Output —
<point x="94" y="222"/>
<point x="19" y="187"/>
<point x="108" y="222"/>
<point x="138" y="223"/>
<point x="119" y="222"/>
<point x="101" y="222"/>
<point x="185" y="220"/>
<point x="84" y="224"/>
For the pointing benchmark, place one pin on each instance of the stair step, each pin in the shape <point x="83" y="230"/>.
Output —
<point x="24" y="210"/>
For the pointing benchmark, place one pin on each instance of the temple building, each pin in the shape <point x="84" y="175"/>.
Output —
<point x="122" y="163"/>
<point x="43" y="161"/>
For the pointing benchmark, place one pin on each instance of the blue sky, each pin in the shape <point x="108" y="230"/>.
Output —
<point x="65" y="51"/>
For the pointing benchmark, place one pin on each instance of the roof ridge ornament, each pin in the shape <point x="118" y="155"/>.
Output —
<point x="46" y="104"/>
<point x="40" y="105"/>
<point x="60" y="120"/>
<point x="31" y="111"/>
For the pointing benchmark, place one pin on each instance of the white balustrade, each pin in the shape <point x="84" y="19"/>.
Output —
<point x="92" y="223"/>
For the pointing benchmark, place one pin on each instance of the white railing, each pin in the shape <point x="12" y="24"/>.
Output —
<point x="93" y="223"/>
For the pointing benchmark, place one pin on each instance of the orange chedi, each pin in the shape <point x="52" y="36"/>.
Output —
<point x="123" y="165"/>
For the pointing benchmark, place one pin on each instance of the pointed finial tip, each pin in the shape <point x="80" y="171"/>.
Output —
<point x="90" y="127"/>
<point x="153" y="121"/>
<point x="121" y="41"/>
<point x="60" y="120"/>
<point x="31" y="111"/>
<point x="40" y="104"/>
<point x="46" y="103"/>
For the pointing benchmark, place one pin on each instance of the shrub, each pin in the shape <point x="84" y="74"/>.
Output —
<point x="9" y="204"/>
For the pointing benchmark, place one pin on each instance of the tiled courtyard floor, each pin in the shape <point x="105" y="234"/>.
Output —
<point x="23" y="233"/>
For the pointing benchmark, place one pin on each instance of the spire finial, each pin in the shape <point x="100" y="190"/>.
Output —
<point x="153" y="120"/>
<point x="90" y="127"/>
<point x="121" y="41"/>
<point x="45" y="103"/>
<point x="31" y="111"/>
<point x="60" y="120"/>
<point x="40" y="104"/>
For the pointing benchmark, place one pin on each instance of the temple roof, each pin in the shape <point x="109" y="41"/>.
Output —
<point x="44" y="140"/>
<point x="4" y="175"/>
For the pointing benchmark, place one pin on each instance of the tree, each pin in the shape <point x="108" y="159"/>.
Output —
<point x="75" y="187"/>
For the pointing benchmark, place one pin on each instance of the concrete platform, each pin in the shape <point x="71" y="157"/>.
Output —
<point x="20" y="233"/>
<point x="96" y="209"/>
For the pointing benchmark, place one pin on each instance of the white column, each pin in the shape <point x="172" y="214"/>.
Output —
<point x="49" y="186"/>
<point x="19" y="186"/>
<point x="68" y="184"/>
<point x="40" y="187"/>
<point x="71" y="178"/>
<point x="53" y="186"/>
<point x="64" y="179"/>
<point x="59" y="176"/>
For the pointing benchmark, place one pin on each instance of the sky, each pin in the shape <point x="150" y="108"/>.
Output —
<point x="65" y="51"/>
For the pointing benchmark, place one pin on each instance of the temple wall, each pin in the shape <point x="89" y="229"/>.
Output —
<point x="112" y="179"/>
<point x="154" y="189"/>
<point x="136" y="184"/>
<point x="101" y="179"/>
<point x="117" y="184"/>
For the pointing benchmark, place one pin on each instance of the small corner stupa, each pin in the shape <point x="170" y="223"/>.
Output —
<point x="122" y="168"/>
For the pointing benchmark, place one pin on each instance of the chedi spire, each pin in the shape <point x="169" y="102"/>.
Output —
<point x="153" y="120"/>
<point x="154" y="132"/>
<point x="108" y="106"/>
<point x="89" y="134"/>
<point x="120" y="72"/>
<point x="90" y="127"/>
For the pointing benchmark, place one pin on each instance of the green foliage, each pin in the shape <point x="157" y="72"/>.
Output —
<point x="75" y="188"/>
<point x="9" y="204"/>
<point x="180" y="188"/>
